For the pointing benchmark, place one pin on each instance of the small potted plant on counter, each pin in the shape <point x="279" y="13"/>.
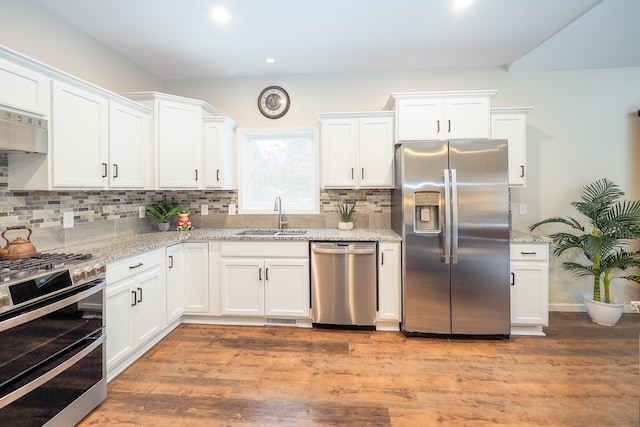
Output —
<point x="161" y="213"/>
<point x="346" y="214"/>
<point x="605" y="244"/>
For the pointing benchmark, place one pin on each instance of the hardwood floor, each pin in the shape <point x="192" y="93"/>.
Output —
<point x="580" y="374"/>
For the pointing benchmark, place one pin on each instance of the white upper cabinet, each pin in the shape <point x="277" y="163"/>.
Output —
<point x="177" y="136"/>
<point x="357" y="150"/>
<point x="129" y="146"/>
<point x="511" y="124"/>
<point x="24" y="89"/>
<point x="79" y="138"/>
<point x="218" y="153"/>
<point x="441" y="115"/>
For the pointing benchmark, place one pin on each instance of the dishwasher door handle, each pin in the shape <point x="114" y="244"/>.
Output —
<point x="366" y="251"/>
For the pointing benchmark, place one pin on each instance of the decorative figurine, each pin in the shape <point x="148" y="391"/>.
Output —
<point x="184" y="223"/>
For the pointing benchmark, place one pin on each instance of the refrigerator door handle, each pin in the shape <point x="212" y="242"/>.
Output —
<point x="447" y="217"/>
<point x="454" y="217"/>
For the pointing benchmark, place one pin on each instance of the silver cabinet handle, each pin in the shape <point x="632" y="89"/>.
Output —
<point x="131" y="267"/>
<point x="104" y="170"/>
<point x="140" y="299"/>
<point x="115" y="170"/>
<point x="438" y="124"/>
<point x="218" y="175"/>
<point x="170" y="261"/>
<point x="135" y="297"/>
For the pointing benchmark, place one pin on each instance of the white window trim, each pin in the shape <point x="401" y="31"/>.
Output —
<point x="244" y="135"/>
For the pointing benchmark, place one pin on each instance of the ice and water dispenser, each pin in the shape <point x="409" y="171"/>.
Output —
<point x="427" y="211"/>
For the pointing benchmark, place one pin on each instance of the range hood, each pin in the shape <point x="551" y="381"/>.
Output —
<point x="22" y="133"/>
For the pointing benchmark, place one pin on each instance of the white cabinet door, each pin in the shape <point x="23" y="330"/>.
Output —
<point x="79" y="135"/>
<point x="529" y="287"/>
<point x="467" y="118"/>
<point x="527" y="293"/>
<point x="287" y="288"/>
<point x="357" y="150"/>
<point x="242" y="287"/>
<point x="196" y="277"/>
<point x="339" y="139"/>
<point x="375" y="152"/>
<point x="24" y="89"/>
<point x="119" y="322"/>
<point x="218" y="153"/>
<point x="389" y="281"/>
<point x="175" y="282"/>
<point x="179" y="130"/>
<point x="420" y="119"/>
<point x="129" y="147"/>
<point x="148" y="309"/>
<point x="511" y="124"/>
<point x="424" y="116"/>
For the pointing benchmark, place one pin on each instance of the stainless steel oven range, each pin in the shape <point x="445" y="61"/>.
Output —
<point x="52" y="340"/>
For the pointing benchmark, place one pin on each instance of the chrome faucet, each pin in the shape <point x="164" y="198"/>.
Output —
<point x="278" y="207"/>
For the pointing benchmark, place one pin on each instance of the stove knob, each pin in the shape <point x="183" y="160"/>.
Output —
<point x="78" y="274"/>
<point x="101" y="268"/>
<point x="89" y="272"/>
<point x="4" y="300"/>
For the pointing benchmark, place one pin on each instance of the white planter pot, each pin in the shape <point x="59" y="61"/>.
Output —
<point x="345" y="225"/>
<point x="164" y="226"/>
<point x="603" y="313"/>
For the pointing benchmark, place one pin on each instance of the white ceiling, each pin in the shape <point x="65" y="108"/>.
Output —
<point x="177" y="39"/>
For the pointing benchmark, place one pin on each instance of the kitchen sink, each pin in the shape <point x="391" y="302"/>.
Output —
<point x="271" y="232"/>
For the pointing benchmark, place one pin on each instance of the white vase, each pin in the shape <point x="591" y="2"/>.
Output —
<point x="345" y="225"/>
<point x="164" y="226"/>
<point x="602" y="313"/>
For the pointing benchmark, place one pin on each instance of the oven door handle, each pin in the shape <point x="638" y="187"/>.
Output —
<point x="28" y="388"/>
<point x="50" y="308"/>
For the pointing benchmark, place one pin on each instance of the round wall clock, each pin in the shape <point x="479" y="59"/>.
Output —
<point x="273" y="102"/>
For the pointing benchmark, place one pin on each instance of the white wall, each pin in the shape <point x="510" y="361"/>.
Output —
<point x="34" y="32"/>
<point x="584" y="127"/>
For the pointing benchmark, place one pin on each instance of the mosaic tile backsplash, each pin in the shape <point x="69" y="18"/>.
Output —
<point x="113" y="213"/>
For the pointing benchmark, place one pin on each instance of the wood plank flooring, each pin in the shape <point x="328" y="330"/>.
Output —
<point x="581" y="374"/>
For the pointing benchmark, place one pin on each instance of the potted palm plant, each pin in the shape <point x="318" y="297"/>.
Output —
<point x="161" y="213"/>
<point x="346" y="214"/>
<point x="605" y="244"/>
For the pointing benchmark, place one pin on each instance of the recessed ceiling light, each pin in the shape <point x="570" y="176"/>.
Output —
<point x="462" y="4"/>
<point x="219" y="14"/>
<point x="270" y="60"/>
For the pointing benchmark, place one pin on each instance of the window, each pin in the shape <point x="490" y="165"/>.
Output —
<point x="283" y="162"/>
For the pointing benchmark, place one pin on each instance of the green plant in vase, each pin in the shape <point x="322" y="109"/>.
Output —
<point x="346" y="215"/>
<point x="161" y="213"/>
<point x="606" y="242"/>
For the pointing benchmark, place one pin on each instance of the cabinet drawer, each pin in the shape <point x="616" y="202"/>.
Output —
<point x="133" y="265"/>
<point x="265" y="249"/>
<point x="529" y="252"/>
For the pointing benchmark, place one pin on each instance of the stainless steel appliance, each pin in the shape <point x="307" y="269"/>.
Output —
<point x="344" y="284"/>
<point x="450" y="204"/>
<point x="22" y="133"/>
<point x="51" y="339"/>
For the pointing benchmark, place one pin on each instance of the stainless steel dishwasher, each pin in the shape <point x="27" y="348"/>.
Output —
<point x="344" y="279"/>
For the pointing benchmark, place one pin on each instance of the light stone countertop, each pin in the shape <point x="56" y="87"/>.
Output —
<point x="121" y="247"/>
<point x="524" y="237"/>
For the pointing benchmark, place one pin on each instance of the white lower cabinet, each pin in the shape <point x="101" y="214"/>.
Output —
<point x="389" y="285"/>
<point x="135" y="299"/>
<point x="196" y="277"/>
<point x="265" y="279"/>
<point x="175" y="282"/>
<point x="529" y="288"/>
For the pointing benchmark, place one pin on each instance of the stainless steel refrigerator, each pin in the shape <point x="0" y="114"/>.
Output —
<point x="450" y="204"/>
